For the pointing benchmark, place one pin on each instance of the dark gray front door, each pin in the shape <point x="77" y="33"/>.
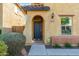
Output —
<point x="38" y="30"/>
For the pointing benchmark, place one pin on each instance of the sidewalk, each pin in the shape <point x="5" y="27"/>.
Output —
<point x="63" y="52"/>
<point x="40" y="50"/>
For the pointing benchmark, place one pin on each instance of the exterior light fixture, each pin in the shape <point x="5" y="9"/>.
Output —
<point x="52" y="16"/>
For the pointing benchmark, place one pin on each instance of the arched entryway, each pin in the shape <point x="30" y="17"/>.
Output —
<point x="38" y="28"/>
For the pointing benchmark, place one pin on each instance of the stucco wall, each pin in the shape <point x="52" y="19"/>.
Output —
<point x="10" y="18"/>
<point x="53" y="26"/>
<point x="66" y="9"/>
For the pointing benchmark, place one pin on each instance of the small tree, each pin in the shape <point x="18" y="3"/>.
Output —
<point x="3" y="48"/>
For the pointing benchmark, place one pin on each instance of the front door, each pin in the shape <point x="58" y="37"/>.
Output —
<point x="38" y="30"/>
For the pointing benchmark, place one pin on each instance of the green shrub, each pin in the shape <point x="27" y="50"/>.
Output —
<point x="3" y="48"/>
<point x="57" y="46"/>
<point x="15" y="42"/>
<point x="49" y="41"/>
<point x="78" y="45"/>
<point x="67" y="45"/>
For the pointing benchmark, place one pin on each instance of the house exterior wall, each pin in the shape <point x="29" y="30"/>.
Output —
<point x="66" y="9"/>
<point x="52" y="27"/>
<point x="11" y="18"/>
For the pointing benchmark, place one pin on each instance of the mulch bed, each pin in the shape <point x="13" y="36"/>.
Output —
<point x="50" y="47"/>
<point x="28" y="48"/>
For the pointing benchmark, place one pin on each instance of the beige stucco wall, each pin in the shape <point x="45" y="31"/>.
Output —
<point x="53" y="26"/>
<point x="65" y="9"/>
<point x="11" y="18"/>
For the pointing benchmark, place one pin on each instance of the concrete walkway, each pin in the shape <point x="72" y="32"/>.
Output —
<point x="40" y="50"/>
<point x="37" y="49"/>
<point x="63" y="52"/>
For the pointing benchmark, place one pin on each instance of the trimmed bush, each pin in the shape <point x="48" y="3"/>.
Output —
<point x="67" y="45"/>
<point x="57" y="46"/>
<point x="15" y="42"/>
<point x="3" y="48"/>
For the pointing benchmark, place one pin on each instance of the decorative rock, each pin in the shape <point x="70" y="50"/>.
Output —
<point x="23" y="52"/>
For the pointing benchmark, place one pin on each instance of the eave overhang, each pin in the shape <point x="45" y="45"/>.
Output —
<point x="36" y="8"/>
<point x="20" y="7"/>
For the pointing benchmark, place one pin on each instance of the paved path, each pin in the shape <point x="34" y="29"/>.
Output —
<point x="63" y="52"/>
<point x="40" y="50"/>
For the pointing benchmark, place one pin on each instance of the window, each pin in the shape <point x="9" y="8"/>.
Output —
<point x="66" y="25"/>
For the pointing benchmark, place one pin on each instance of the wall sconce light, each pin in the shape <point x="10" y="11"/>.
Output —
<point x="52" y="16"/>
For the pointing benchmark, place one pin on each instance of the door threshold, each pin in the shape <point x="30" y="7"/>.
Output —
<point x="38" y="42"/>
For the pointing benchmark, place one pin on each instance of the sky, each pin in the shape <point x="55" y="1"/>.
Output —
<point x="24" y="4"/>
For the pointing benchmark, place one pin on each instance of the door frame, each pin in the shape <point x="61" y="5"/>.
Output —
<point x="42" y="27"/>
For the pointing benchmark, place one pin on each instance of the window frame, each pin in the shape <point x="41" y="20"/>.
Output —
<point x="70" y="18"/>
